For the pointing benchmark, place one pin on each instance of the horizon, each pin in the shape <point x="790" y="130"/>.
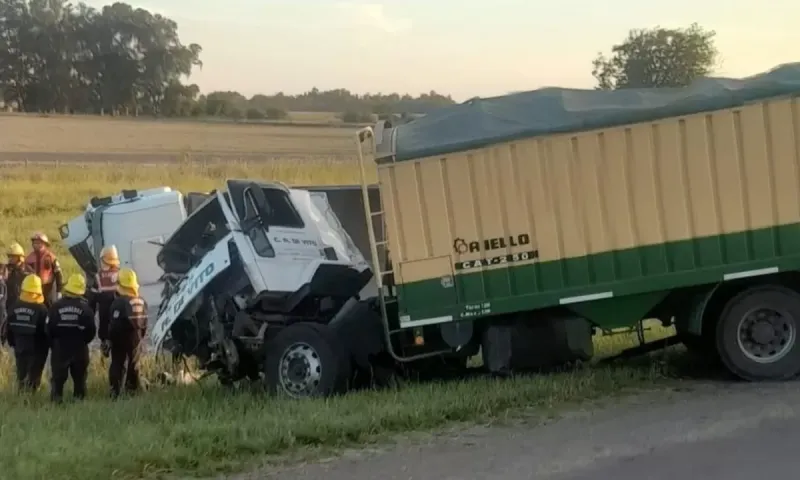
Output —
<point x="414" y="47"/>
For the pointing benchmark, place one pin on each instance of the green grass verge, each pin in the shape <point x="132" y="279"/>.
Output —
<point x="203" y="429"/>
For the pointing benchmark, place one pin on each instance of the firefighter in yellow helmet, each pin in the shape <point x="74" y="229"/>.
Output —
<point x="126" y="331"/>
<point x="44" y="263"/>
<point x="103" y="292"/>
<point x="70" y="329"/>
<point x="16" y="270"/>
<point x="26" y="334"/>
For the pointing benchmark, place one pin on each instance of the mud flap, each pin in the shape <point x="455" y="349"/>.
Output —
<point x="360" y="331"/>
<point x="531" y="344"/>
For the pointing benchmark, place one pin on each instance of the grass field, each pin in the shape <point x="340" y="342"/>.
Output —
<point x="202" y="429"/>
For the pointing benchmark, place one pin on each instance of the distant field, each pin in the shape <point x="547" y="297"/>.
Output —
<point x="91" y="138"/>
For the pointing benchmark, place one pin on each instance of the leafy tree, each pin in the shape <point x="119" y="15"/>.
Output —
<point x="179" y="100"/>
<point x="657" y="57"/>
<point x="225" y="104"/>
<point x="56" y="56"/>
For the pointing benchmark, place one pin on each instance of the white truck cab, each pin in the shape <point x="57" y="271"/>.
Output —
<point x="303" y="225"/>
<point x="137" y="222"/>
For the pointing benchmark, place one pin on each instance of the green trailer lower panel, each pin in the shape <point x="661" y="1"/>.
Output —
<point x="646" y="272"/>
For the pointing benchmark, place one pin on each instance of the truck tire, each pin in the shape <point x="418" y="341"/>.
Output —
<point x="305" y="360"/>
<point x="756" y="335"/>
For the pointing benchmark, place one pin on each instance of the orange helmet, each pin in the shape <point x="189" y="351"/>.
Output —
<point x="41" y="237"/>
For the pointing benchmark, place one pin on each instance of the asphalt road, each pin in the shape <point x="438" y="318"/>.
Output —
<point x="711" y="431"/>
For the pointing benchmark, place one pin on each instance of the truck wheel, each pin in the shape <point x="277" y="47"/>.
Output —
<point x="756" y="335"/>
<point x="305" y="360"/>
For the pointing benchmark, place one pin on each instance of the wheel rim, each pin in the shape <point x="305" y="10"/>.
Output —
<point x="300" y="370"/>
<point x="766" y="335"/>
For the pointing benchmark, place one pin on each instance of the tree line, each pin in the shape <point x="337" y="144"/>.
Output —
<point x="56" y="56"/>
<point x="354" y="107"/>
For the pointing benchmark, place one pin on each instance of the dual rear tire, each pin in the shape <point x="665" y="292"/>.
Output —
<point x="756" y="336"/>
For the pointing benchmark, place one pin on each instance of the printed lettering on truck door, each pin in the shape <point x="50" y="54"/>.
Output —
<point x="294" y="242"/>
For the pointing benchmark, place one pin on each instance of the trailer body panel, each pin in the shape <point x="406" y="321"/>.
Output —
<point x="591" y="216"/>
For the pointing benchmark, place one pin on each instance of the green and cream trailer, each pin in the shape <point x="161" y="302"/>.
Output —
<point x="519" y="225"/>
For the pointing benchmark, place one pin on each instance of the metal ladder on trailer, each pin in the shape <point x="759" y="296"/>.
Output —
<point x="381" y="269"/>
<point x="375" y="223"/>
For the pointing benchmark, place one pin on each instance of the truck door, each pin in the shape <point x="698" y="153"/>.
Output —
<point x="286" y="249"/>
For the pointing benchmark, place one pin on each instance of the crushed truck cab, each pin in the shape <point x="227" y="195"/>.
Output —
<point x="255" y="264"/>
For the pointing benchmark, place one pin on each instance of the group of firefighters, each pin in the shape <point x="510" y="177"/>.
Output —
<point x="42" y="315"/>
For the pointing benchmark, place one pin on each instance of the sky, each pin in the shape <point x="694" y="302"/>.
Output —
<point x="464" y="48"/>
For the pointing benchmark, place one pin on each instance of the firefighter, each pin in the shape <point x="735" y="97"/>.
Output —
<point x="16" y="270"/>
<point x="70" y="330"/>
<point x="127" y="328"/>
<point x="104" y="291"/>
<point x="43" y="262"/>
<point x="26" y="334"/>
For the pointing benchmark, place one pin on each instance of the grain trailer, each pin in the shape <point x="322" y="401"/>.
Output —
<point x="521" y="223"/>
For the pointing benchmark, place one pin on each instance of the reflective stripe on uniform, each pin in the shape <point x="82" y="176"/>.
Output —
<point x="21" y="324"/>
<point x="107" y="281"/>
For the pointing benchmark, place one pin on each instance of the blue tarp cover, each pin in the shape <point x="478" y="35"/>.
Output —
<point x="483" y="122"/>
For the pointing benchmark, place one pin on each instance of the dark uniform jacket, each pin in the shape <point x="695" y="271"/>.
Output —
<point x="16" y="274"/>
<point x="3" y="298"/>
<point x="71" y="323"/>
<point x="26" y="325"/>
<point x="128" y="320"/>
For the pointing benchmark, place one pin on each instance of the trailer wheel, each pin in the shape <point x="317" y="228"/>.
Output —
<point x="305" y="360"/>
<point x="756" y="335"/>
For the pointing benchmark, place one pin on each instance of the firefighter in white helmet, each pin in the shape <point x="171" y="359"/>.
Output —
<point x="103" y="291"/>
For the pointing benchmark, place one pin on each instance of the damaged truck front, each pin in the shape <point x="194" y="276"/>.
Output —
<point x="262" y="281"/>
